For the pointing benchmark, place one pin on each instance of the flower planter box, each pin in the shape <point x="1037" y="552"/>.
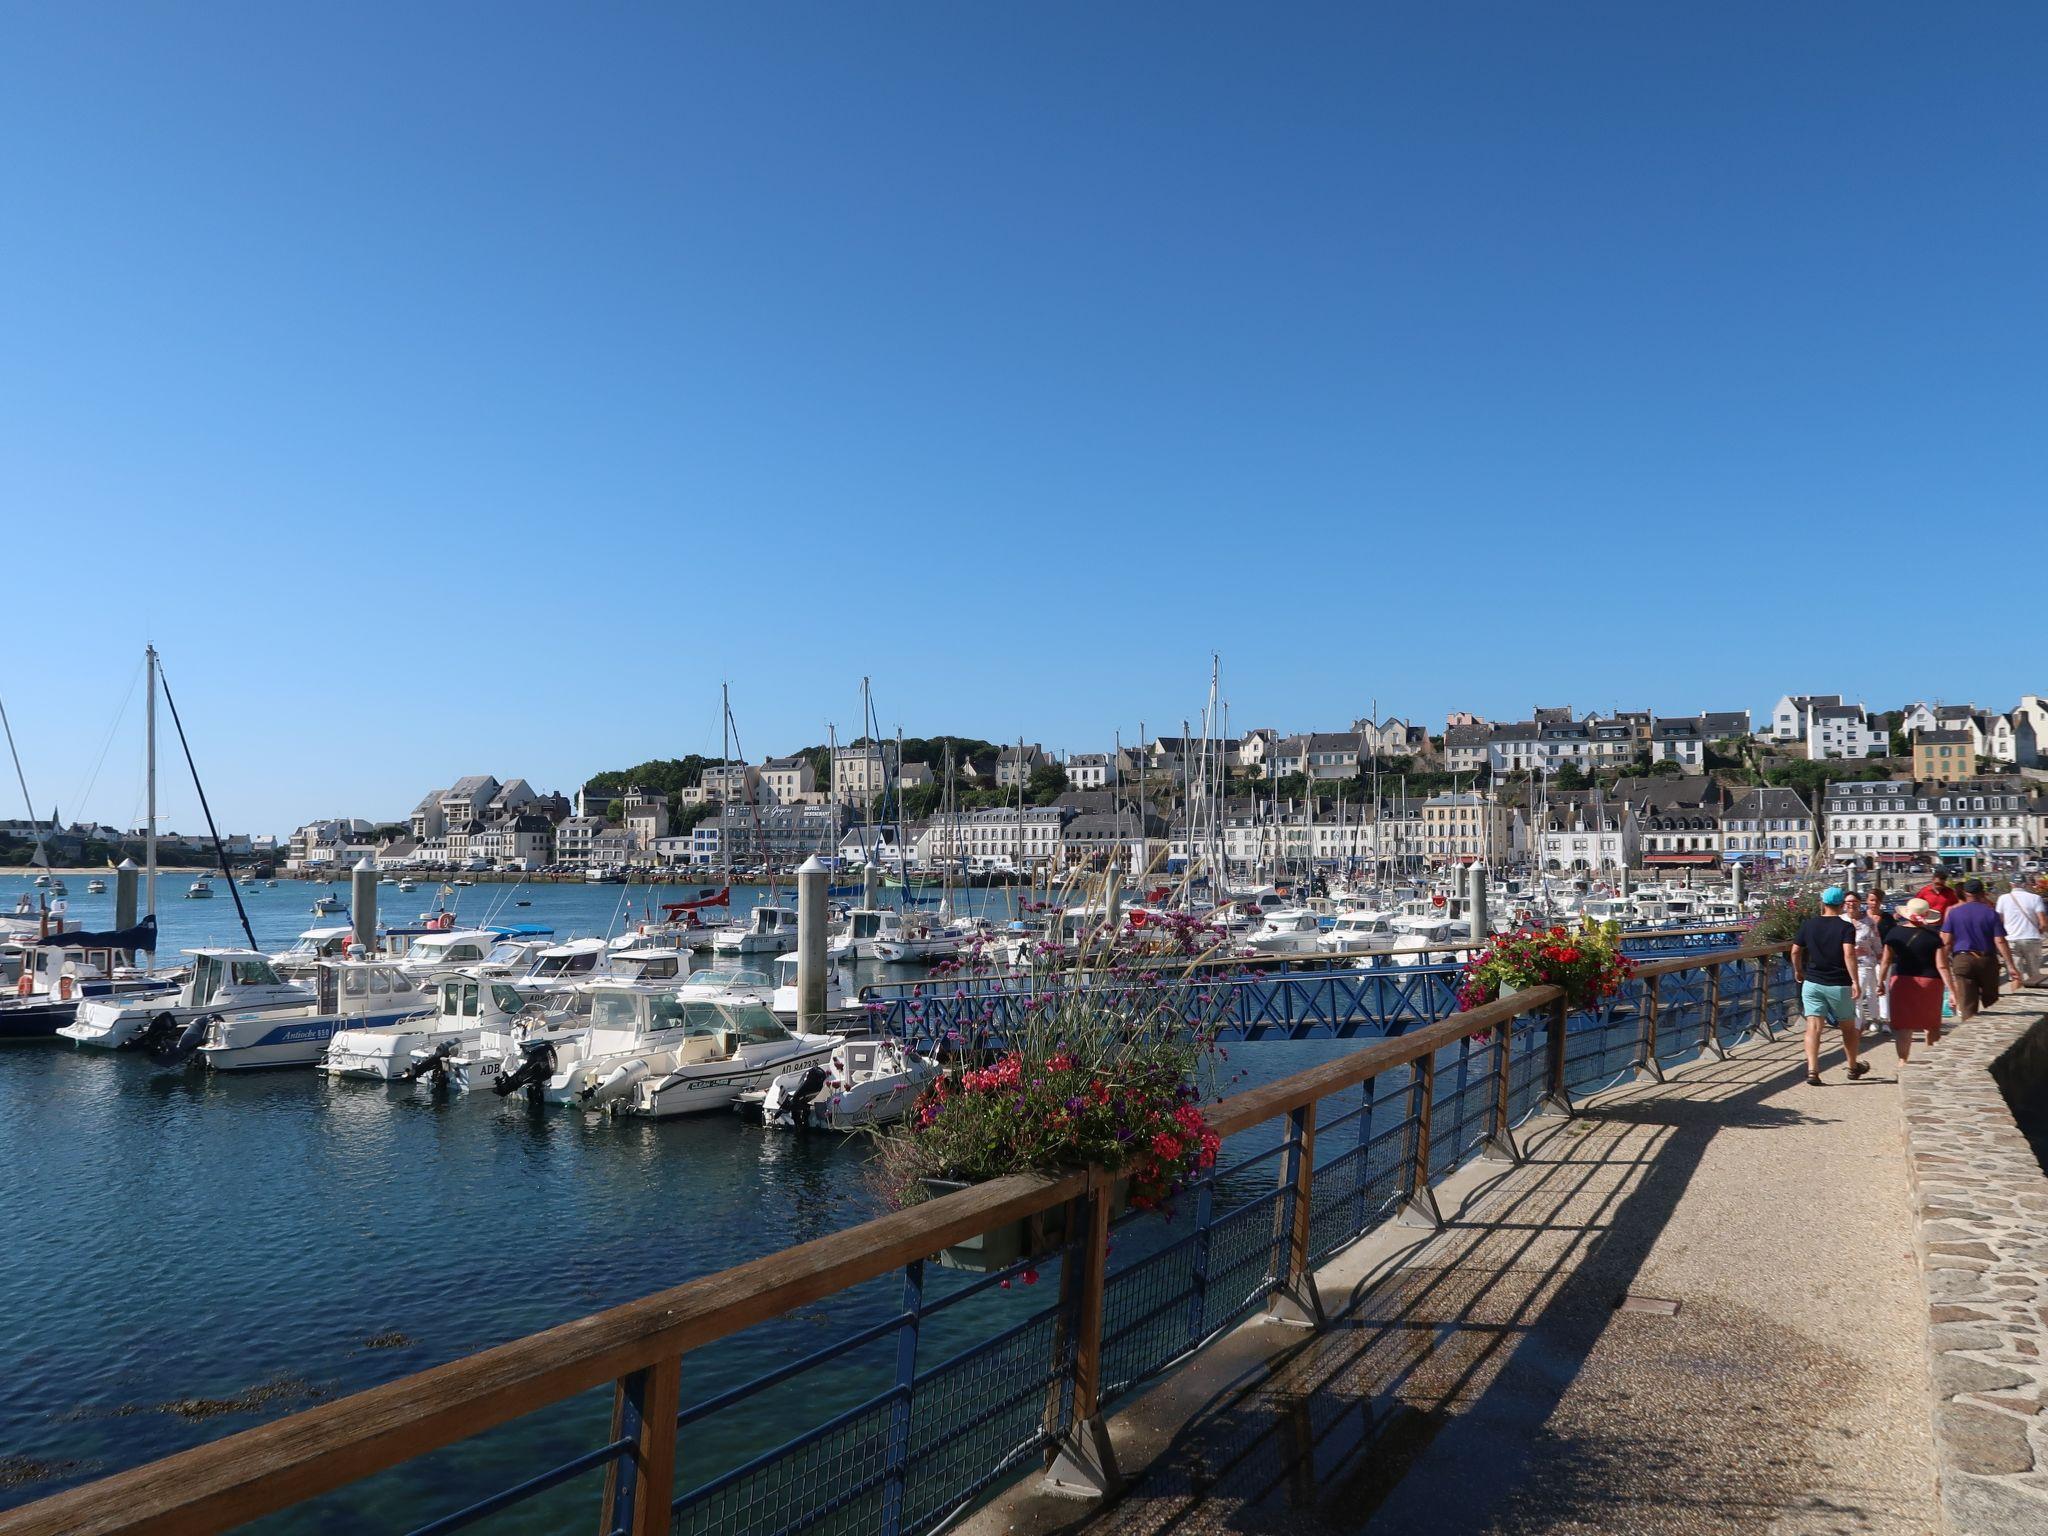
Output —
<point x="1035" y="1237"/>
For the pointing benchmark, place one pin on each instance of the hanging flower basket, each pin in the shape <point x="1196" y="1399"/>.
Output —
<point x="1585" y="963"/>
<point x="1034" y="1237"/>
<point x="1105" y="1069"/>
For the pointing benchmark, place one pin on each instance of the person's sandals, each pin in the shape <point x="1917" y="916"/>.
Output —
<point x="1813" y="1080"/>
<point x="1861" y="1069"/>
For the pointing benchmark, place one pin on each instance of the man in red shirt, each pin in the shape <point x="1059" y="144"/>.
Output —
<point x="1939" y="894"/>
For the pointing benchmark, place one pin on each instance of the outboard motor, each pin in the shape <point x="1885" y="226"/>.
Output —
<point x="432" y="1064"/>
<point x="797" y="1105"/>
<point x="538" y="1067"/>
<point x="168" y="1041"/>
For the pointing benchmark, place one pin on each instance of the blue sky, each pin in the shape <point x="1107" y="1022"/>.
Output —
<point x="472" y="387"/>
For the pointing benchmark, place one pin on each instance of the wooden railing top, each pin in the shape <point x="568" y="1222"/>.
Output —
<point x="274" y="1465"/>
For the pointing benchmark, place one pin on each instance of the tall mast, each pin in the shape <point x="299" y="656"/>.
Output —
<point x="725" y="780"/>
<point x="149" y="759"/>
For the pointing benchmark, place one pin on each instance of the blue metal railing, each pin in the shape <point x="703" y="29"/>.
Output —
<point x="1372" y="999"/>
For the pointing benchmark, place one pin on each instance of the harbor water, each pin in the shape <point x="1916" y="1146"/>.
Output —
<point x="191" y="1254"/>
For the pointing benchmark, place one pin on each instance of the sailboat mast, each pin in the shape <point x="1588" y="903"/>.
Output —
<point x="149" y="760"/>
<point x="725" y="782"/>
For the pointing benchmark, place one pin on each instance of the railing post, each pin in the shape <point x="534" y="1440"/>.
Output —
<point x="1647" y="1063"/>
<point x="1294" y="1299"/>
<point x="1363" y="1181"/>
<point x="898" y="1453"/>
<point x="1557" y="1098"/>
<point x="1710" y="1034"/>
<point x="1761" y="1025"/>
<point x="1083" y="1461"/>
<point x="1499" y="1146"/>
<point x="1418" y="1202"/>
<point x="639" y="1491"/>
<point x="1198" y="1280"/>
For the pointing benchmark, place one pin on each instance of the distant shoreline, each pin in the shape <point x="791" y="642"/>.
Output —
<point x="88" y="871"/>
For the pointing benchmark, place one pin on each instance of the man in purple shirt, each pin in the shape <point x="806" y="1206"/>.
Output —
<point x="1974" y="935"/>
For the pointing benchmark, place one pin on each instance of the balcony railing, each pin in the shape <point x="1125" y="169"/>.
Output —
<point x="951" y="1383"/>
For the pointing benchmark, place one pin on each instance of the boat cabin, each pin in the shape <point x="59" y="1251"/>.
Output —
<point x="661" y="964"/>
<point x="367" y="986"/>
<point x="234" y="978"/>
<point x="442" y="951"/>
<point x="482" y="1003"/>
<point x="46" y="968"/>
<point x="573" y="961"/>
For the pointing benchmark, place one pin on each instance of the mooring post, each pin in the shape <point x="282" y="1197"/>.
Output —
<point x="813" y="916"/>
<point x="362" y="904"/>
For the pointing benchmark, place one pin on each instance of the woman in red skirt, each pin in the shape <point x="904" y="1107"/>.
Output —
<point x="1914" y="972"/>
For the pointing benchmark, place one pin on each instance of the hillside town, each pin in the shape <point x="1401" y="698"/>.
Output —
<point x="1820" y="779"/>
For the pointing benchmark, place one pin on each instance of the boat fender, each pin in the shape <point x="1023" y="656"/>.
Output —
<point x="26" y="985"/>
<point x="616" y="1082"/>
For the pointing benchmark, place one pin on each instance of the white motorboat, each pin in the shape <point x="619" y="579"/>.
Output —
<point x="514" y="1048"/>
<point x="347" y="995"/>
<point x="1287" y="931"/>
<point x="655" y="963"/>
<point x="571" y="961"/>
<point x="862" y="1083"/>
<point x="437" y="953"/>
<point x="327" y="904"/>
<point x="1358" y="931"/>
<point x="727" y="1049"/>
<point x="299" y="962"/>
<point x="784" y="999"/>
<point x="728" y="984"/>
<point x="864" y="927"/>
<point x="922" y="941"/>
<point x="95" y="887"/>
<point x="222" y="981"/>
<point x="768" y="930"/>
<point x="200" y="889"/>
<point x="425" y="1045"/>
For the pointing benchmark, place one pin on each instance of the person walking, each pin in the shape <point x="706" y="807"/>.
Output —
<point x="2025" y="917"/>
<point x="1976" y="946"/>
<point x="1866" y="916"/>
<point x="1939" y="894"/>
<point x="1824" y="965"/>
<point x="1915" y="972"/>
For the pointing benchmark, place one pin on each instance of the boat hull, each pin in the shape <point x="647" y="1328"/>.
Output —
<point x="716" y="1085"/>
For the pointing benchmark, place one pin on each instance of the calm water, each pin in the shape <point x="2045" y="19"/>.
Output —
<point x="262" y="1241"/>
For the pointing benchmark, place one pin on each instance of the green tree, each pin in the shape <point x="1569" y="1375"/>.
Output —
<point x="1568" y="777"/>
<point x="615" y="812"/>
<point x="1046" y="784"/>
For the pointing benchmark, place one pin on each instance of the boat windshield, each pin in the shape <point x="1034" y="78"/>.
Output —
<point x="507" y="999"/>
<point x="506" y="954"/>
<point x="569" y="963"/>
<point x="614" y="1010"/>
<point x="723" y="978"/>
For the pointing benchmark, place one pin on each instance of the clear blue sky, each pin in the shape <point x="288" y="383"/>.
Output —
<point x="470" y="387"/>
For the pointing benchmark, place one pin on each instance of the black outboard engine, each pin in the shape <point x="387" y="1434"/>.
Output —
<point x="434" y="1065"/>
<point x="806" y="1094"/>
<point x="538" y="1067"/>
<point x="171" y="1044"/>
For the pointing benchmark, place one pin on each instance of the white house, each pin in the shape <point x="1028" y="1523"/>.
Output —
<point x="1585" y="832"/>
<point x="1788" y="715"/>
<point x="1326" y="755"/>
<point x="999" y="838"/>
<point x="1843" y="730"/>
<point x="1091" y="770"/>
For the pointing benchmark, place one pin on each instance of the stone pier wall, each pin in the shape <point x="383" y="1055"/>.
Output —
<point x="1981" y="1199"/>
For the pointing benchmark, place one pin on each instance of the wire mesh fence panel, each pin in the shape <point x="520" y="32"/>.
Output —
<point x="1466" y="1093"/>
<point x="1353" y="1192"/>
<point x="1528" y="1067"/>
<point x="1681" y="1016"/>
<point x="1245" y="1260"/>
<point x="1151" y="1312"/>
<point x="982" y="1414"/>
<point x="829" y="1481"/>
<point x="1600" y="1046"/>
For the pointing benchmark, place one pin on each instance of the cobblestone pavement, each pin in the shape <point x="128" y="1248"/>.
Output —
<point x="1494" y="1383"/>
<point x="1982" y="1202"/>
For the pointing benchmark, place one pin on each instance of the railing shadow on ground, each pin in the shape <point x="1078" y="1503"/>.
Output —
<point x="1317" y="1435"/>
<point x="960" y="1402"/>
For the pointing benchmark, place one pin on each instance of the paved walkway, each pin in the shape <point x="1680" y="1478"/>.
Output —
<point x="1487" y="1380"/>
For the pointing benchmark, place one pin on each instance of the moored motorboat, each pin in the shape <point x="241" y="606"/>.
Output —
<point x="221" y="981"/>
<point x="347" y="995"/>
<point x="861" y="1083"/>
